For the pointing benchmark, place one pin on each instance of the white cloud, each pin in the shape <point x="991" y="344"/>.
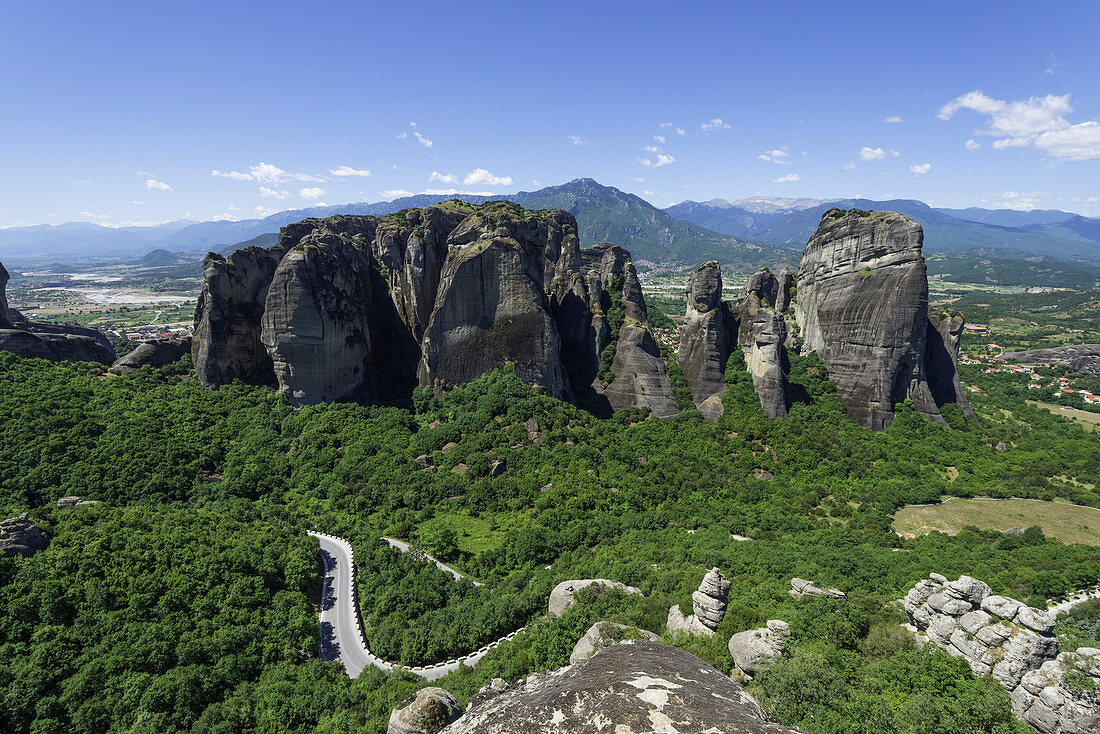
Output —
<point x="273" y="193"/>
<point x="848" y="166"/>
<point x="872" y="154"/>
<point x="639" y="179"/>
<point x="443" y="177"/>
<point x="894" y="153"/>
<point x="660" y="139"/>
<point x="423" y="140"/>
<point x="920" y="169"/>
<point x="647" y="192"/>
<point x="664" y="124"/>
<point x="400" y="136"/>
<point x="265" y="173"/>
<point x="454" y="192"/>
<point x="716" y="124"/>
<point x="651" y="149"/>
<point x="778" y="155"/>
<point x="139" y="203"/>
<point x="481" y="177"/>
<point x="576" y="139"/>
<point x="263" y="211"/>
<point x="395" y="193"/>
<point x="892" y="119"/>
<point x="972" y="144"/>
<point x="662" y="160"/>
<point x="1038" y="122"/>
<point x="152" y="183"/>
<point x="680" y="131"/>
<point x="1019" y="201"/>
<point x="349" y="171"/>
<point x="789" y="178"/>
<point x="312" y="192"/>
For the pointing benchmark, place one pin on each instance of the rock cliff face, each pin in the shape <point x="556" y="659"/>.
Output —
<point x="19" y="536"/>
<point x="1015" y="645"/>
<point x="862" y="304"/>
<point x="356" y="308"/>
<point x="55" y="342"/>
<point x="491" y="307"/>
<point x="706" y="338"/>
<point x="762" y="334"/>
<point x="227" y="344"/>
<point x="941" y="359"/>
<point x="635" y="686"/>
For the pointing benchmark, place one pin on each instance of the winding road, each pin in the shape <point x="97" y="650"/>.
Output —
<point x="341" y="628"/>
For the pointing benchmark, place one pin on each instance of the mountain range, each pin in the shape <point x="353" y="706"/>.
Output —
<point x="744" y="234"/>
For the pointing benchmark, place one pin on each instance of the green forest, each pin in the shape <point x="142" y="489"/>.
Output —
<point x="186" y="599"/>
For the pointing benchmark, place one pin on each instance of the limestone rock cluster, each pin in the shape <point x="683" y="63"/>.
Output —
<point x="357" y="308"/>
<point x="634" y="686"/>
<point x="859" y="300"/>
<point x="54" y="342"/>
<point x="21" y="537"/>
<point x="708" y="604"/>
<point x="1014" y="643"/>
<point x="601" y="635"/>
<point x="801" y="588"/>
<point x="752" y="648"/>
<point x="563" y="595"/>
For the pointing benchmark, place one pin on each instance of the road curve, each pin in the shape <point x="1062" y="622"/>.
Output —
<point x="341" y="629"/>
<point x="406" y="548"/>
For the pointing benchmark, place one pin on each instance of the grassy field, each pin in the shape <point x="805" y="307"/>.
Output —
<point x="1089" y="421"/>
<point x="1067" y="523"/>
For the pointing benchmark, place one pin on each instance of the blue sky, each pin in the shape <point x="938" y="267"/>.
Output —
<point x="122" y="112"/>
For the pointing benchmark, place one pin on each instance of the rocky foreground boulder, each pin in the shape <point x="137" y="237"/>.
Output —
<point x="563" y="595"/>
<point x="429" y="711"/>
<point x="357" y="308"/>
<point x="54" y="342"/>
<point x="708" y="607"/>
<point x="751" y="649"/>
<point x="1014" y="644"/>
<point x="635" y="686"/>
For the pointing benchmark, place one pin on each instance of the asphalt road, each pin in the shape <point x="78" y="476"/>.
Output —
<point x="341" y="637"/>
<point x="405" y="548"/>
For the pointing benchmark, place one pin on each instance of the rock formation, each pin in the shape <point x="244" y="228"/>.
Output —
<point x="154" y="353"/>
<point x="227" y="344"/>
<point x="491" y="307"/>
<point x="761" y="335"/>
<point x="636" y="686"/>
<point x="801" y="588"/>
<point x="19" y="536"/>
<point x="941" y="359"/>
<point x="562" y="596"/>
<point x="706" y="338"/>
<point x="603" y="634"/>
<point x="356" y="308"/>
<point x="54" y="342"/>
<point x="708" y="606"/>
<point x="862" y="305"/>
<point x="430" y="711"/>
<point x="1083" y="358"/>
<point x="1013" y="643"/>
<point x="752" y="648"/>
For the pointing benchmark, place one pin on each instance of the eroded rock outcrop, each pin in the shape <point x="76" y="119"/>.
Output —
<point x="21" y="537"/>
<point x="752" y="648"/>
<point x="5" y="315"/>
<point x="801" y="588"/>
<point x="862" y="305"/>
<point x="1015" y="645"/>
<point x="431" y="710"/>
<point x="762" y="334"/>
<point x="636" y="686"/>
<point x="941" y="359"/>
<point x="603" y="634"/>
<point x="563" y="595"/>
<point x="708" y="604"/>
<point x="154" y="353"/>
<point x="706" y="338"/>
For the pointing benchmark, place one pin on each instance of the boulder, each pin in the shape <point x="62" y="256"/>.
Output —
<point x="605" y="633"/>
<point x="21" y="537"/>
<point x="562" y="596"/>
<point x="491" y="308"/>
<point x="154" y="353"/>
<point x="708" y="607"/>
<point x="752" y="648"/>
<point x="637" y="686"/>
<point x="801" y="588"/>
<point x="56" y="344"/>
<point x="706" y="339"/>
<point x="497" y="468"/>
<point x="862" y="305"/>
<point x="430" y="711"/>
<point x="488" y="692"/>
